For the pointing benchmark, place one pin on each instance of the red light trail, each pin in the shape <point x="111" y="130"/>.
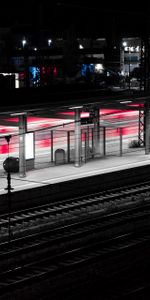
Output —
<point x="42" y="139"/>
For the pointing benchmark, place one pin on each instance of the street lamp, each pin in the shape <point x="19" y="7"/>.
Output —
<point x="24" y="42"/>
<point x="9" y="189"/>
<point x="26" y="63"/>
<point x="124" y="44"/>
<point x="49" y="42"/>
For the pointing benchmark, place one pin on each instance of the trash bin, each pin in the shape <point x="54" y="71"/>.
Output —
<point x="59" y="156"/>
<point x="11" y="164"/>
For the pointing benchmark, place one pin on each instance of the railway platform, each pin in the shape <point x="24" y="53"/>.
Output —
<point x="63" y="173"/>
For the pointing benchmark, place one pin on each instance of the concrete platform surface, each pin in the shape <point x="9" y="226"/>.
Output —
<point x="62" y="173"/>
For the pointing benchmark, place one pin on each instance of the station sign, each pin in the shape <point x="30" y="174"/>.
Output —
<point x="86" y="121"/>
<point x="89" y="119"/>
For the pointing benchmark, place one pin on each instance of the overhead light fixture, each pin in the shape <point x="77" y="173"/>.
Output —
<point x="126" y="101"/>
<point x="49" y="42"/>
<point x="24" y="42"/>
<point x="76" y="107"/>
<point x="18" y="114"/>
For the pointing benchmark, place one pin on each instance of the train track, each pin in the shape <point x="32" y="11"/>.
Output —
<point x="21" y="222"/>
<point x="69" y="261"/>
<point x="93" y="226"/>
<point x="69" y="241"/>
<point x="71" y="245"/>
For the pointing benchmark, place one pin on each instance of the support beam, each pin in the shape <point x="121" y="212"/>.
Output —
<point x="22" y="131"/>
<point x="141" y="127"/>
<point x="77" y="138"/>
<point x="120" y="141"/>
<point x="52" y="152"/>
<point x="92" y="136"/>
<point x="68" y="146"/>
<point x="85" y="146"/>
<point x="96" y="133"/>
<point x="147" y="129"/>
<point x="146" y="64"/>
<point x="104" y="141"/>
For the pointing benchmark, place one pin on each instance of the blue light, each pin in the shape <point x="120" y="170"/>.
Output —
<point x="83" y="70"/>
<point x="35" y="75"/>
<point x="85" y="67"/>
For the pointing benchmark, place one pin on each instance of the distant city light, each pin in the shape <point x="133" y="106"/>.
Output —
<point x="131" y="49"/>
<point x="99" y="68"/>
<point x="24" y="42"/>
<point x="35" y="49"/>
<point x="16" y="80"/>
<point x="124" y="44"/>
<point x="49" y="42"/>
<point x="85" y="67"/>
<point x="35" y="75"/>
<point x="80" y="46"/>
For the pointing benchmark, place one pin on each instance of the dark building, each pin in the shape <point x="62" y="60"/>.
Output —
<point x="48" y="43"/>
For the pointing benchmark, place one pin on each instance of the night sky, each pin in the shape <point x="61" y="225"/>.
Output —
<point x="87" y="19"/>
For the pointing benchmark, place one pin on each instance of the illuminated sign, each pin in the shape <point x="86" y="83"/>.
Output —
<point x="29" y="145"/>
<point x="132" y="48"/>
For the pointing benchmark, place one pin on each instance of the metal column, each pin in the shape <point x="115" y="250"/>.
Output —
<point x="146" y="63"/>
<point x="104" y="141"/>
<point x="120" y="141"/>
<point x="85" y="147"/>
<point x="92" y="133"/>
<point x="22" y="131"/>
<point x="52" y="159"/>
<point x="96" y="134"/>
<point x="141" y="127"/>
<point x="77" y="138"/>
<point x="147" y="129"/>
<point x="122" y="59"/>
<point x="142" y="64"/>
<point x="68" y="146"/>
